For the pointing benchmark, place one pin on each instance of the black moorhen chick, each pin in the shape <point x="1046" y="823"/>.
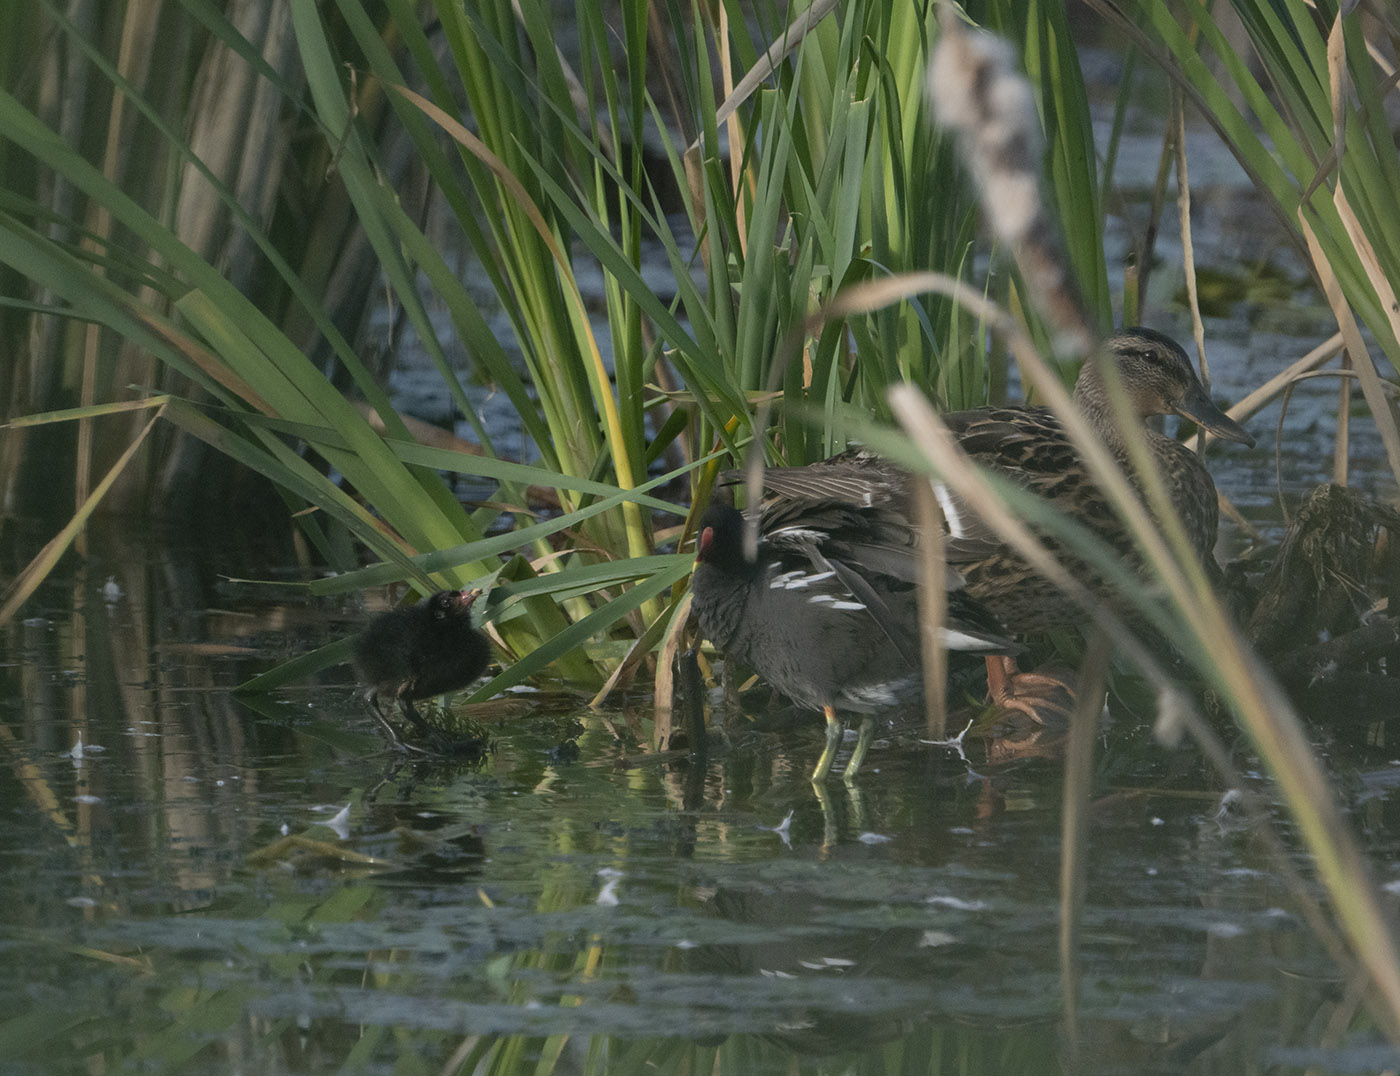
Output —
<point x="825" y="613"/>
<point x="419" y="651"/>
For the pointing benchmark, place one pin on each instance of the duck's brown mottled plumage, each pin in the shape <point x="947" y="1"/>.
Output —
<point x="1028" y="446"/>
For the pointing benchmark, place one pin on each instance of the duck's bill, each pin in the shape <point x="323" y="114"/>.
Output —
<point x="1199" y="409"/>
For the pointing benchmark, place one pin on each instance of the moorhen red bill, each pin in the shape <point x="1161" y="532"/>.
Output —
<point x="420" y="651"/>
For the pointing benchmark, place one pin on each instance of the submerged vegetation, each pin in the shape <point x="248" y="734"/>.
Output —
<point x="195" y="253"/>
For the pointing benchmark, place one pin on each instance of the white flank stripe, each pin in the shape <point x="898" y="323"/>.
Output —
<point x="950" y="510"/>
<point x="801" y="532"/>
<point x="956" y="640"/>
<point x="799" y="581"/>
<point x="874" y="695"/>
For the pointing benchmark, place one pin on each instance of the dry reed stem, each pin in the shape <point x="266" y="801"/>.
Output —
<point x="975" y="65"/>
<point x="1074" y="824"/>
<point x="933" y="609"/>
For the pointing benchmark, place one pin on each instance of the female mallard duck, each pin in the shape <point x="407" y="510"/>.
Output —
<point x="1026" y="445"/>
<point x="823" y="612"/>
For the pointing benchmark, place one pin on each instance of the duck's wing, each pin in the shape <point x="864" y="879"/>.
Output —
<point x="1028" y="447"/>
<point x="855" y="505"/>
<point x="857" y="478"/>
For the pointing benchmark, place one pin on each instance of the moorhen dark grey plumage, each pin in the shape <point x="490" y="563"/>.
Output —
<point x="1028" y="446"/>
<point x="827" y="613"/>
<point x="417" y="652"/>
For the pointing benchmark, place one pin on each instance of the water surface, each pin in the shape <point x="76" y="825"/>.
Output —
<point x="212" y="885"/>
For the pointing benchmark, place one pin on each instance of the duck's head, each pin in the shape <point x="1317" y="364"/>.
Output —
<point x="1159" y="379"/>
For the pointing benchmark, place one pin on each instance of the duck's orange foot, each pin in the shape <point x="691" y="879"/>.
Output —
<point x="1044" y="697"/>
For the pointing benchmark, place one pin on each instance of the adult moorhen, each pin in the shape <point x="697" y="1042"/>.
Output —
<point x="417" y="652"/>
<point x="827" y="613"/>
<point x="1028" y="446"/>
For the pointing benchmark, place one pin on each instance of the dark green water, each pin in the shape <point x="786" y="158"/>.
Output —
<point x="183" y="898"/>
